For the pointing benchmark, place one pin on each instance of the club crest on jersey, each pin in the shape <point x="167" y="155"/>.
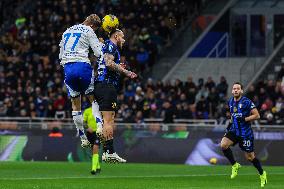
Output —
<point x="235" y="109"/>
<point x="110" y="47"/>
<point x="240" y="105"/>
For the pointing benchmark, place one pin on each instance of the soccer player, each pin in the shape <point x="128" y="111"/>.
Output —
<point x="109" y="71"/>
<point x="242" y="111"/>
<point x="92" y="137"/>
<point x="79" y="75"/>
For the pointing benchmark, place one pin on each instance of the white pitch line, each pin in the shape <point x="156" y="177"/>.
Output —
<point x="147" y="176"/>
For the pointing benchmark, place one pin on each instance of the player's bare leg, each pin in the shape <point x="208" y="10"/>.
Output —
<point x="109" y="154"/>
<point x="78" y="120"/>
<point x="250" y="156"/>
<point x="225" y="145"/>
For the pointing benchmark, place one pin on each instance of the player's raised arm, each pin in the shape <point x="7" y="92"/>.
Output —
<point x="109" y="60"/>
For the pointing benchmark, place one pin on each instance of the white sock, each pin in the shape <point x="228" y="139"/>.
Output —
<point x="78" y="120"/>
<point x="97" y="114"/>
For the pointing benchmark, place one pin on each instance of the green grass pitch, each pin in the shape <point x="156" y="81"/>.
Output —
<point x="47" y="175"/>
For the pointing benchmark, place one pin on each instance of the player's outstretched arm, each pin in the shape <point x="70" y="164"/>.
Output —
<point x="117" y="67"/>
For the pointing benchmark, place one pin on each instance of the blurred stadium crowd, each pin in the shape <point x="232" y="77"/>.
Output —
<point x="202" y="100"/>
<point x="31" y="79"/>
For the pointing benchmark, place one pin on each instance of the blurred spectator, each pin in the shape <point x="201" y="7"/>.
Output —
<point x="191" y="90"/>
<point x="210" y="83"/>
<point x="129" y="92"/>
<point x="152" y="49"/>
<point x="60" y="112"/>
<point x="142" y="58"/>
<point x="251" y="92"/>
<point x="270" y="119"/>
<point x="139" y="120"/>
<point x="168" y="113"/>
<point x="202" y="108"/>
<point x="3" y="109"/>
<point x="186" y="112"/>
<point x="50" y="111"/>
<point x="144" y="36"/>
<point x="222" y="87"/>
<point x="213" y="101"/>
<point x="262" y="95"/>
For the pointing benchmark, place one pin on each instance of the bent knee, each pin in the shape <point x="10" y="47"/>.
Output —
<point x="250" y="157"/>
<point x="224" y="146"/>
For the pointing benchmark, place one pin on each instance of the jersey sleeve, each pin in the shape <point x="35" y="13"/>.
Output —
<point x="250" y="105"/>
<point x="95" y="43"/>
<point x="109" y="49"/>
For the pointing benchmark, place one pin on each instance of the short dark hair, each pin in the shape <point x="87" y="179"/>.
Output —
<point x="238" y="83"/>
<point x="113" y="31"/>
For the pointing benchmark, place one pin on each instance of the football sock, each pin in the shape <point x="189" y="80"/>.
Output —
<point x="97" y="114"/>
<point x="109" y="146"/>
<point x="98" y="163"/>
<point x="95" y="161"/>
<point x="257" y="165"/>
<point x="78" y="120"/>
<point x="229" y="155"/>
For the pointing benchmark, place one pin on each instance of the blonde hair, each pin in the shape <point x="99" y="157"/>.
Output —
<point x="93" y="19"/>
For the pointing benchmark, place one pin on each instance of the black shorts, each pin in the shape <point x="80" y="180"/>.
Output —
<point x="106" y="96"/>
<point x="92" y="138"/>
<point x="246" y="144"/>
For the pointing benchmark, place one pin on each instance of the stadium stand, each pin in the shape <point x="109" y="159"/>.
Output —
<point x="31" y="78"/>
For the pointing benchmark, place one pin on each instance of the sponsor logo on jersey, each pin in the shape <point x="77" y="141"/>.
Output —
<point x="237" y="115"/>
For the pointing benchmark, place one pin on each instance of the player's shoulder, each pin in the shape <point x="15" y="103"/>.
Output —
<point x="107" y="42"/>
<point x="246" y="99"/>
<point x="80" y="28"/>
<point x="247" y="102"/>
<point x="109" y="46"/>
<point x="230" y="100"/>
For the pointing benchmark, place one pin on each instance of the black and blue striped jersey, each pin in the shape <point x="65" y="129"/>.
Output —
<point x="241" y="108"/>
<point x="106" y="75"/>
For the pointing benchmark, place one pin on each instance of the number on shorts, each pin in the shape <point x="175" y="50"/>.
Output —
<point x="247" y="143"/>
